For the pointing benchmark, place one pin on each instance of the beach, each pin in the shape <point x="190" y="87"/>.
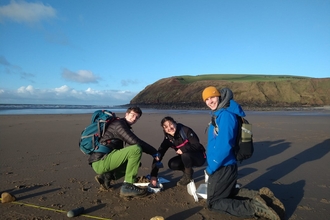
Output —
<point x="43" y="167"/>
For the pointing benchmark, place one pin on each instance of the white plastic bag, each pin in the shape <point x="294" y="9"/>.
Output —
<point x="191" y="188"/>
<point x="206" y="176"/>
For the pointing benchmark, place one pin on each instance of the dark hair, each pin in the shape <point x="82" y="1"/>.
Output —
<point x="134" y="109"/>
<point x="167" y="118"/>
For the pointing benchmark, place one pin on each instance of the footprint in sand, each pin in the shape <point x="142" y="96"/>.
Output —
<point x="303" y="207"/>
<point x="325" y="201"/>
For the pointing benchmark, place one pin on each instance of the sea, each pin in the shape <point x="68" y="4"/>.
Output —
<point x="38" y="109"/>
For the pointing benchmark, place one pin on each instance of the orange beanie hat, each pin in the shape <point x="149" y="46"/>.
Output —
<point x="210" y="91"/>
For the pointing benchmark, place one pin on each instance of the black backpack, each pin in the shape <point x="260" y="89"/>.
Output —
<point x="243" y="148"/>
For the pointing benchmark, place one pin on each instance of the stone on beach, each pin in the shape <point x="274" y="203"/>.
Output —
<point x="6" y="197"/>
<point x="157" y="218"/>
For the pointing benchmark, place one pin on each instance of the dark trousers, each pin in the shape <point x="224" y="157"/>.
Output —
<point x="187" y="160"/>
<point x="221" y="190"/>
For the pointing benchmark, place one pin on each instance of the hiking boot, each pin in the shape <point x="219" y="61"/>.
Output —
<point x="186" y="178"/>
<point x="247" y="193"/>
<point x="130" y="190"/>
<point x="183" y="181"/>
<point x="272" y="201"/>
<point x="101" y="181"/>
<point x="105" y="180"/>
<point x="262" y="210"/>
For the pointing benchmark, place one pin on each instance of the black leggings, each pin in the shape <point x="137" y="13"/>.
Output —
<point x="187" y="160"/>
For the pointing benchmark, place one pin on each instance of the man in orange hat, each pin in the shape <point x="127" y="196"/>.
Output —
<point x="221" y="170"/>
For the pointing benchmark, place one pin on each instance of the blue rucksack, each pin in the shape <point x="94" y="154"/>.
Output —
<point x="91" y="135"/>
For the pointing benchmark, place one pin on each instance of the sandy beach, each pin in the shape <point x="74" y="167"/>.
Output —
<point x="42" y="166"/>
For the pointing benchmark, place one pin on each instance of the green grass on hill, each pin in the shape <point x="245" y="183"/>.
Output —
<point x="237" y="77"/>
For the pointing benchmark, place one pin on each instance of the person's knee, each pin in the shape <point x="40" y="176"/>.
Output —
<point x="136" y="149"/>
<point x="175" y="165"/>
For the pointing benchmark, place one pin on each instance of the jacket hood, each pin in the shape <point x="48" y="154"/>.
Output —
<point x="234" y="107"/>
<point x="227" y="102"/>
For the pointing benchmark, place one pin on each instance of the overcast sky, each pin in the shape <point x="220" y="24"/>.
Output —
<point x="107" y="51"/>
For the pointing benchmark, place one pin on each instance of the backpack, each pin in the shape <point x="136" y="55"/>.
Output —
<point x="91" y="135"/>
<point x="243" y="148"/>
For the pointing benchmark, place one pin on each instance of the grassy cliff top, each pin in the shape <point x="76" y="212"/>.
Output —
<point x="249" y="90"/>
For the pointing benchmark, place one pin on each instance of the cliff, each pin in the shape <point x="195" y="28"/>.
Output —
<point x="249" y="91"/>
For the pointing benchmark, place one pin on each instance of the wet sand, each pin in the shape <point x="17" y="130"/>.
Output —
<point x="41" y="165"/>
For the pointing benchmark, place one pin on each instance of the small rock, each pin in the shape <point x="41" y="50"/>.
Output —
<point x="157" y="218"/>
<point x="6" y="197"/>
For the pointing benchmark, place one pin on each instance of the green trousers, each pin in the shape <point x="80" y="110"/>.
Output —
<point x="122" y="162"/>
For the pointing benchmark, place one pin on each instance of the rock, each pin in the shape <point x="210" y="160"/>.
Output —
<point x="157" y="218"/>
<point x="6" y="197"/>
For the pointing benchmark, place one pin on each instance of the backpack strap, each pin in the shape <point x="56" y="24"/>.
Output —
<point x="182" y="134"/>
<point x="214" y="123"/>
<point x="184" y="138"/>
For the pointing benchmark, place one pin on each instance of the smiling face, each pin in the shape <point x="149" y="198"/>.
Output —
<point x="132" y="117"/>
<point x="169" y="127"/>
<point x="212" y="102"/>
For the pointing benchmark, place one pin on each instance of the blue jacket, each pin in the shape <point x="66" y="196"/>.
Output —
<point x="220" y="145"/>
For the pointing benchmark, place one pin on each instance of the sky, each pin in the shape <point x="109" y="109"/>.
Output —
<point x="104" y="52"/>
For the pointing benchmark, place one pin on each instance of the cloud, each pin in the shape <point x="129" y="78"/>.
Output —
<point x="8" y="65"/>
<point x="65" y="95"/>
<point x="14" y="69"/>
<point x="26" y="90"/>
<point x="62" y="89"/>
<point x="128" y="82"/>
<point x="26" y="12"/>
<point x="4" y="61"/>
<point x="82" y="76"/>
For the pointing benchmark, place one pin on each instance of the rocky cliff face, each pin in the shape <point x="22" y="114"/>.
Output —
<point x="175" y="92"/>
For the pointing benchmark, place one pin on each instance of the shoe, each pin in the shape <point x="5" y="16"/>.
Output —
<point x="105" y="180"/>
<point x="262" y="210"/>
<point x="247" y="193"/>
<point x="186" y="178"/>
<point x="100" y="181"/>
<point x="272" y="201"/>
<point x="130" y="190"/>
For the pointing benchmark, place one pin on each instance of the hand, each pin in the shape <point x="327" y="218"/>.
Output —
<point x="179" y="151"/>
<point x="157" y="156"/>
<point x="153" y="181"/>
<point x="159" y="165"/>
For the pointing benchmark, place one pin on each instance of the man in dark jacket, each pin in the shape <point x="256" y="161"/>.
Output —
<point x="122" y="161"/>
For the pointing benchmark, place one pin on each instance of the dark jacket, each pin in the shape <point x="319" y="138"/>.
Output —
<point x="117" y="135"/>
<point x="191" y="144"/>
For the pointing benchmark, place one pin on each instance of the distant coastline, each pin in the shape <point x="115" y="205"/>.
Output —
<point x="78" y="109"/>
<point x="52" y="106"/>
<point x="156" y="107"/>
<point x="246" y="108"/>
